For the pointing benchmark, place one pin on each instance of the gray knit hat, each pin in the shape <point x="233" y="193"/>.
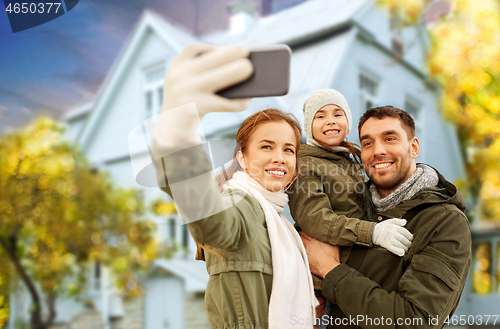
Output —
<point x="315" y="102"/>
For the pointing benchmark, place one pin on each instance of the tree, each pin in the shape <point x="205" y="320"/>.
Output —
<point x="57" y="214"/>
<point x="465" y="59"/>
<point x="4" y="293"/>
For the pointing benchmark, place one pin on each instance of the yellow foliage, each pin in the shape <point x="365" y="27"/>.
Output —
<point x="465" y="58"/>
<point x="64" y="215"/>
<point x="4" y="284"/>
<point x="161" y="207"/>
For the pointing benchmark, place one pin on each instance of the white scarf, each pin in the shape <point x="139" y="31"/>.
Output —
<point x="292" y="296"/>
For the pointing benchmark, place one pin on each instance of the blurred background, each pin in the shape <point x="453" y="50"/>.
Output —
<point x="83" y="245"/>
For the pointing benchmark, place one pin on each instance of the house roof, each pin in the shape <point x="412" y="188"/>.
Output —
<point x="304" y="67"/>
<point x="314" y="68"/>
<point x="78" y="112"/>
<point x="319" y="46"/>
<point x="194" y="273"/>
<point x="294" y="25"/>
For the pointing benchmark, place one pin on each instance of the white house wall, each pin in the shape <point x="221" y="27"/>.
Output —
<point x="164" y="303"/>
<point x="376" y="18"/>
<point x="439" y="147"/>
<point x="125" y="109"/>
<point x="313" y="67"/>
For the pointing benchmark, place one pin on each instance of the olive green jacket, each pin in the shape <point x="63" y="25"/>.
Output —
<point x="425" y="284"/>
<point x="240" y="282"/>
<point x="326" y="199"/>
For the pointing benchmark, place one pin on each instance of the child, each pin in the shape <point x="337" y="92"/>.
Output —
<point x="326" y="200"/>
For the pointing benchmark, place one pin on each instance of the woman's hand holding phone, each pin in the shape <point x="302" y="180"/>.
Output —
<point x="193" y="78"/>
<point x="200" y="70"/>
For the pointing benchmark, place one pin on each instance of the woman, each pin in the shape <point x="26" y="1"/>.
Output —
<point x="259" y="275"/>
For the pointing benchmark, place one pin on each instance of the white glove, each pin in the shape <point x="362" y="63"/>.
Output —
<point x="193" y="78"/>
<point x="200" y="70"/>
<point x="391" y="235"/>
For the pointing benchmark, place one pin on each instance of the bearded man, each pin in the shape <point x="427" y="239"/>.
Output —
<point x="375" y="287"/>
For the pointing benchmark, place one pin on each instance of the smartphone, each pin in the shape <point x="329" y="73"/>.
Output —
<point x="271" y="76"/>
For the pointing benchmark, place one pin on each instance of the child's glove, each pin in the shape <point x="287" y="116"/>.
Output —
<point x="391" y="235"/>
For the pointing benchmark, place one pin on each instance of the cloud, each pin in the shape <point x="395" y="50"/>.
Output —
<point x="2" y="110"/>
<point x="56" y="66"/>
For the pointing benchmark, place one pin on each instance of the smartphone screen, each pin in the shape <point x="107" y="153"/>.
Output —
<point x="271" y="76"/>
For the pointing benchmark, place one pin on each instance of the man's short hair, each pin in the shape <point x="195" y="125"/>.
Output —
<point x="393" y="112"/>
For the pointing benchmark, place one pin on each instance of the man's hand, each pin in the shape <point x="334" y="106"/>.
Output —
<point x="320" y="309"/>
<point x="323" y="257"/>
<point x="201" y="70"/>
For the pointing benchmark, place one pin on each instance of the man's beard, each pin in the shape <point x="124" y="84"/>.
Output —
<point x="386" y="182"/>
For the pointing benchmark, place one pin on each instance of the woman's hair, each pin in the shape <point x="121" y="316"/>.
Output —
<point x="242" y="137"/>
<point x="245" y="131"/>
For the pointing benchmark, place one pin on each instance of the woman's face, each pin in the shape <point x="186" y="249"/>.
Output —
<point x="329" y="126"/>
<point x="270" y="155"/>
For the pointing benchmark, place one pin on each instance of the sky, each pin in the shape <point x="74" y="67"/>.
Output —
<point x="59" y="65"/>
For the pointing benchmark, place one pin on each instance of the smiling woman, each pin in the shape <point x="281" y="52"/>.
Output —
<point x="238" y="224"/>
<point x="267" y="149"/>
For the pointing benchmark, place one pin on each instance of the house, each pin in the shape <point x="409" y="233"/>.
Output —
<point x="481" y="297"/>
<point x="353" y="46"/>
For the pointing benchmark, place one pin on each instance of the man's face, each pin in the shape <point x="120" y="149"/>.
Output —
<point x="387" y="155"/>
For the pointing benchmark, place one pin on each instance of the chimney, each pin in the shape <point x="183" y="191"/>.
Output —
<point x="242" y="16"/>
<point x="267" y="7"/>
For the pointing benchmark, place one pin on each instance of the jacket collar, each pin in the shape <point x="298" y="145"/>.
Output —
<point x="445" y="192"/>
<point x="319" y="152"/>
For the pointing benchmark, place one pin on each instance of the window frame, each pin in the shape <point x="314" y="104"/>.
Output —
<point x="153" y="88"/>
<point x="365" y="95"/>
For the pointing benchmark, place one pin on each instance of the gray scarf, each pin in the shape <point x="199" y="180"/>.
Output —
<point x="423" y="177"/>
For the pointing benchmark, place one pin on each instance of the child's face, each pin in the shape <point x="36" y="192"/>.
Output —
<point x="329" y="126"/>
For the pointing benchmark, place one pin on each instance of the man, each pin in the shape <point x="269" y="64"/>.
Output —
<point x="375" y="287"/>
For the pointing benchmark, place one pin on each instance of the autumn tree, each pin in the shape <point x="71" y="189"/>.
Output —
<point x="4" y="290"/>
<point x="57" y="214"/>
<point x="465" y="59"/>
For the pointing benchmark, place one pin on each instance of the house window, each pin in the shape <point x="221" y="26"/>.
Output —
<point x="414" y="108"/>
<point x="185" y="236"/>
<point x="497" y="272"/>
<point x="153" y="90"/>
<point x="397" y="47"/>
<point x="97" y="275"/>
<point x="481" y="267"/>
<point x="397" y="44"/>
<point x="369" y="89"/>
<point x="172" y="229"/>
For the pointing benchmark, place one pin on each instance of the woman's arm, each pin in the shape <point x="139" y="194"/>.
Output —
<point x="183" y="169"/>
<point x="214" y="219"/>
